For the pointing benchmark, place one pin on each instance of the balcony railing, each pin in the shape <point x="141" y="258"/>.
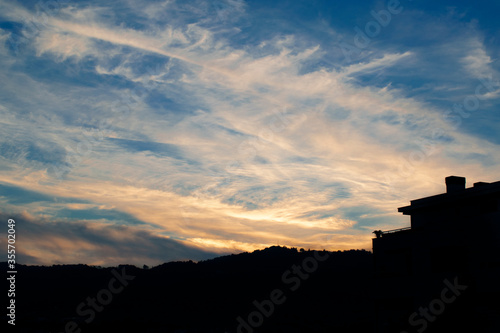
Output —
<point x="395" y="230"/>
<point x="380" y="233"/>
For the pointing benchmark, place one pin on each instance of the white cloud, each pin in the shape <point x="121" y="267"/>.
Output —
<point x="477" y="61"/>
<point x="64" y="45"/>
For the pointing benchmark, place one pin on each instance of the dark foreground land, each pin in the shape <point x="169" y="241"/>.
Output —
<point x="273" y="290"/>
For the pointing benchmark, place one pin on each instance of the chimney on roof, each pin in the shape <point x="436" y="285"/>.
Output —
<point x="454" y="184"/>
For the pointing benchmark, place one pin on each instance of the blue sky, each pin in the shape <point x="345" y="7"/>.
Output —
<point x="149" y="131"/>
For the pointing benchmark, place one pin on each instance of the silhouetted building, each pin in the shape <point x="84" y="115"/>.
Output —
<point x="443" y="273"/>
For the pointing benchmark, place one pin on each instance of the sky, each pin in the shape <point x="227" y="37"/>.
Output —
<point x="142" y="132"/>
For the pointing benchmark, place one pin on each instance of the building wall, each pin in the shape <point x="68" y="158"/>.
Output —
<point x="457" y="240"/>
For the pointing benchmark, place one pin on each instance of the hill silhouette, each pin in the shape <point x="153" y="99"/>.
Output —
<point x="315" y="292"/>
